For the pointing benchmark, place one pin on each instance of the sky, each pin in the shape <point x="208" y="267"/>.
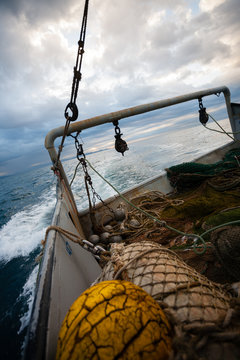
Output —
<point x="136" y="51"/>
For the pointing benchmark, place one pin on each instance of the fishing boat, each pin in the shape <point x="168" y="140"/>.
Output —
<point x="68" y="269"/>
<point x="77" y="243"/>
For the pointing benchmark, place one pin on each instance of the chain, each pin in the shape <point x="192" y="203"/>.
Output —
<point x="77" y="76"/>
<point x="200" y="103"/>
<point x="88" y="180"/>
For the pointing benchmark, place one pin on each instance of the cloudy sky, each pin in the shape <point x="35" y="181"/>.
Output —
<point x="136" y="51"/>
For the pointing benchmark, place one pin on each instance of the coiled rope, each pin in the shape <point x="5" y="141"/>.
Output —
<point x="160" y="222"/>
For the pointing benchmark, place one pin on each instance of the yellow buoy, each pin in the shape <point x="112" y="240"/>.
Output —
<point x="114" y="320"/>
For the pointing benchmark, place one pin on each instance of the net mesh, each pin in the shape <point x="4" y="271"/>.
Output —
<point x="227" y="248"/>
<point x="191" y="297"/>
<point x="204" y="315"/>
<point x="191" y="173"/>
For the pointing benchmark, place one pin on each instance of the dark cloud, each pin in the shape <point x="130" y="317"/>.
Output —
<point x="13" y="6"/>
<point x="34" y="11"/>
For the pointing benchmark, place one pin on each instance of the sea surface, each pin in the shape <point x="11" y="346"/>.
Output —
<point x="27" y="203"/>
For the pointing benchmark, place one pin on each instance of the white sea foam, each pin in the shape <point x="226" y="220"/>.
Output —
<point x="27" y="295"/>
<point x="25" y="230"/>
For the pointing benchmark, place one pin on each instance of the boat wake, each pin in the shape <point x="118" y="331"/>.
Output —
<point x="25" y="230"/>
<point x="27" y="297"/>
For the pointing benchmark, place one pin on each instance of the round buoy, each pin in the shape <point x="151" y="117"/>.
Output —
<point x="115" y="239"/>
<point x="108" y="228"/>
<point x="119" y="214"/>
<point x="105" y="237"/>
<point x="94" y="239"/>
<point x="114" y="320"/>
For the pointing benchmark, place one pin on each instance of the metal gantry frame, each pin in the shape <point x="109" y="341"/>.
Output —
<point x="128" y="112"/>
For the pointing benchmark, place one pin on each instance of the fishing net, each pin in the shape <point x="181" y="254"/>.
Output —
<point x="194" y="211"/>
<point x="226" y="243"/>
<point x="198" y="308"/>
<point x="187" y="175"/>
<point x="161" y="273"/>
<point x="207" y="264"/>
<point x="204" y="313"/>
<point x="190" y="212"/>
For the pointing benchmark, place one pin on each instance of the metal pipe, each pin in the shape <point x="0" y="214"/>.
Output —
<point x="136" y="110"/>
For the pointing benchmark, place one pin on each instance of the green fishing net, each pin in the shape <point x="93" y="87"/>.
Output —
<point x="186" y="175"/>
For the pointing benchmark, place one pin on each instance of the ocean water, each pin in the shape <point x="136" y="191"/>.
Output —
<point x="27" y="205"/>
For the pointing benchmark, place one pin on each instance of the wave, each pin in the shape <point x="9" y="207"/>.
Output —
<point x="25" y="230"/>
<point x="27" y="295"/>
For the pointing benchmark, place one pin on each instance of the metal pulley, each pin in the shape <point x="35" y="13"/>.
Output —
<point x="120" y="144"/>
<point x="203" y="115"/>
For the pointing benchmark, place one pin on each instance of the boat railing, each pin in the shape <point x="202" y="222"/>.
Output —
<point x="128" y="112"/>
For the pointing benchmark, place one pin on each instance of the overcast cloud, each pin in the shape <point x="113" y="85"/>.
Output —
<point x="136" y="51"/>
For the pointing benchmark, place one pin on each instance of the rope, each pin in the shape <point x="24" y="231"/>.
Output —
<point x="223" y="130"/>
<point x="220" y="226"/>
<point x="77" y="76"/>
<point x="104" y="256"/>
<point x="198" y="336"/>
<point x="136" y="224"/>
<point x="199" y="249"/>
<point x="221" y="185"/>
<point x="71" y="236"/>
<point x="74" y="175"/>
<point x="160" y="222"/>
